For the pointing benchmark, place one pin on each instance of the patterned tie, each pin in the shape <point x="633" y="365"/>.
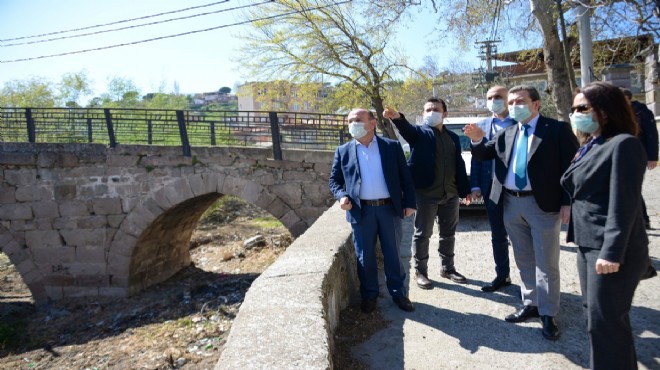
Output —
<point x="521" y="159"/>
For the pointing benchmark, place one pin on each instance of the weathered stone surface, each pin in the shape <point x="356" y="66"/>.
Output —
<point x="79" y="238"/>
<point x="7" y="194"/>
<point x="22" y="225"/>
<point x="178" y="191"/>
<point x="75" y="292"/>
<point x="17" y="158"/>
<point x="251" y="192"/>
<point x="53" y="255"/>
<point x="20" y="177"/>
<point x="15" y="212"/>
<point x="92" y="222"/>
<point x="299" y="176"/>
<point x="42" y="238"/>
<point x="73" y="208"/>
<point x="107" y="206"/>
<point x="90" y="254"/>
<point x="46" y="209"/>
<point x="65" y="191"/>
<point x="291" y="194"/>
<point x="290" y="218"/>
<point x="115" y="220"/>
<point x="233" y="186"/>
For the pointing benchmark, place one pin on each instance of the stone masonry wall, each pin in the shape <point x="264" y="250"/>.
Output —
<point x="87" y="220"/>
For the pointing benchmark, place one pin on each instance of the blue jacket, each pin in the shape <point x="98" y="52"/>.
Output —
<point x="345" y="177"/>
<point x="481" y="172"/>
<point x="422" y="155"/>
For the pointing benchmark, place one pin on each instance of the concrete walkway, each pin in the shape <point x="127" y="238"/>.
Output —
<point x="457" y="326"/>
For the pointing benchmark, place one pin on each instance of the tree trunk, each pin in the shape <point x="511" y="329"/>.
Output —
<point x="384" y="125"/>
<point x="553" y="55"/>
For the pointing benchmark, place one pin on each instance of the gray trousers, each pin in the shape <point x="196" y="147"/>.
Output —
<point x="428" y="210"/>
<point x="534" y="237"/>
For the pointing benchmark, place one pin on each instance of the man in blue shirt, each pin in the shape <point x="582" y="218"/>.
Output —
<point x="481" y="178"/>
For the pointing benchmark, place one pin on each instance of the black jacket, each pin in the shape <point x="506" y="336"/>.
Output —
<point x="648" y="132"/>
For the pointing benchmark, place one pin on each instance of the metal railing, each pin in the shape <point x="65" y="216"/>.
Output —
<point x="185" y="128"/>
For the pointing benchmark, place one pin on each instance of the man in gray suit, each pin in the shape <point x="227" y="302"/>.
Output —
<point x="530" y="158"/>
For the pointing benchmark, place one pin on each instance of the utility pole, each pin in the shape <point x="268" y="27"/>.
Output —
<point x="487" y="49"/>
<point x="586" y="44"/>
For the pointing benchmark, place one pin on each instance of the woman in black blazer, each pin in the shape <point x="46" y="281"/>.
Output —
<point x="605" y="185"/>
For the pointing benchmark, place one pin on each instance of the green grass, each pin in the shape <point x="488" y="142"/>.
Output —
<point x="268" y="222"/>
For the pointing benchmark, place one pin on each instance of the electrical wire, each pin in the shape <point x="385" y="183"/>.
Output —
<point x="137" y="25"/>
<point x="174" y="35"/>
<point x="113" y="23"/>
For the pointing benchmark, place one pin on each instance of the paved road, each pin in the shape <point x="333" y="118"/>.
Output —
<point x="457" y="326"/>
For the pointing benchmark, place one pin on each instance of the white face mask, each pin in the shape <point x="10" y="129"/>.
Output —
<point x="584" y="122"/>
<point x="356" y="129"/>
<point x="433" y="119"/>
<point x="519" y="112"/>
<point x="496" y="105"/>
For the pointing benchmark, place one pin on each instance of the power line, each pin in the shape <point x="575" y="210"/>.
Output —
<point x="175" y="35"/>
<point x="113" y="23"/>
<point x="137" y="25"/>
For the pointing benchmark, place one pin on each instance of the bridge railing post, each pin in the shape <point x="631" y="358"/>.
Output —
<point x="90" y="136"/>
<point x="185" y="144"/>
<point x="31" y="130"/>
<point x="111" y="129"/>
<point x="275" y="134"/>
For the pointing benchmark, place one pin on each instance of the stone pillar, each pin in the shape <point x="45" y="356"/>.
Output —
<point x="652" y="80"/>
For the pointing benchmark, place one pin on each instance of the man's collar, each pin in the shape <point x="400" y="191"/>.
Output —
<point x="532" y="122"/>
<point x="373" y="140"/>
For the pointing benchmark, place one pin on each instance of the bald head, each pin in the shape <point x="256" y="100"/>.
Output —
<point x="496" y="101"/>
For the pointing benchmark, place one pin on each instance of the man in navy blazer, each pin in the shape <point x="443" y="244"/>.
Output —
<point x="440" y="178"/>
<point x="481" y="177"/>
<point x="370" y="180"/>
<point x="530" y="158"/>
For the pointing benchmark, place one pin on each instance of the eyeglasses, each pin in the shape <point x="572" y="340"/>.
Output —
<point x="580" y="108"/>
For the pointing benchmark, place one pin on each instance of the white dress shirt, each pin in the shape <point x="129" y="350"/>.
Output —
<point x="371" y="171"/>
<point x="510" y="181"/>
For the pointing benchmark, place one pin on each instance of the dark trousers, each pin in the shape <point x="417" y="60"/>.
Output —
<point x="381" y="222"/>
<point x="499" y="237"/>
<point x="445" y="211"/>
<point x="645" y="214"/>
<point x="607" y="299"/>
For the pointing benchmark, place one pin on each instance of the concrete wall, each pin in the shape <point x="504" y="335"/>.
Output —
<point x="290" y="312"/>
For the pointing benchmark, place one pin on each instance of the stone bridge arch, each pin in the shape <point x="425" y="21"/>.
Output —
<point x="88" y="220"/>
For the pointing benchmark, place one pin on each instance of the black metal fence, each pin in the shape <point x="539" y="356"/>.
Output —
<point x="185" y="128"/>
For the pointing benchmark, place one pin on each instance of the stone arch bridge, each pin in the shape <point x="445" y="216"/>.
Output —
<point x="91" y="220"/>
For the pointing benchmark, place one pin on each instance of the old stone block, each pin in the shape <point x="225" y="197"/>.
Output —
<point x="265" y="199"/>
<point x="15" y="212"/>
<point x="26" y="267"/>
<point x="90" y="254"/>
<point x="323" y="167"/>
<point x="299" y="176"/>
<point x="124" y="190"/>
<point x="89" y="269"/>
<point x="73" y="208"/>
<point x="84" y="237"/>
<point x="44" y="223"/>
<point x="122" y="161"/>
<point x="318" y="194"/>
<point x="162" y="200"/>
<point x="7" y="194"/>
<point x="196" y="184"/>
<point x="64" y="191"/>
<point x="18" y="158"/>
<point x="118" y="266"/>
<point x="123" y="244"/>
<point x="233" y="186"/>
<point x="213" y="182"/>
<point x="42" y="238"/>
<point x="32" y="276"/>
<point x="309" y="214"/>
<point x="291" y="194"/>
<point x="95" y="190"/>
<point x="115" y="221"/>
<point x="298" y="228"/>
<point x="251" y="192"/>
<point x="127" y="204"/>
<point x="65" y="223"/>
<point x="277" y="208"/>
<point x="45" y="209"/>
<point x="92" y="222"/>
<point x="53" y="255"/>
<point x="28" y="193"/>
<point x="74" y="292"/>
<point x="20" y="177"/>
<point x="59" y="280"/>
<point x="290" y="218"/>
<point x="107" y="206"/>
<point x="22" y="225"/>
<point x="16" y="253"/>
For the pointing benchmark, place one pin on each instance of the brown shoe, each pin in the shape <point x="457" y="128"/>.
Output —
<point x="454" y="276"/>
<point x="404" y="303"/>
<point x="423" y="281"/>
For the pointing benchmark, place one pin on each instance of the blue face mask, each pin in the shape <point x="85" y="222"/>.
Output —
<point x="519" y="112"/>
<point x="495" y="105"/>
<point x="584" y="122"/>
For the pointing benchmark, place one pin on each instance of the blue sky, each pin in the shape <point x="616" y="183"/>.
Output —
<point x="199" y="62"/>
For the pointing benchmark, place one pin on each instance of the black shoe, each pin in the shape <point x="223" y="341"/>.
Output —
<point x="454" y="276"/>
<point x="550" y="329"/>
<point x="404" y="303"/>
<point x="647" y="226"/>
<point x="423" y="281"/>
<point x="498" y="283"/>
<point x="368" y="305"/>
<point x="649" y="272"/>
<point x="525" y="313"/>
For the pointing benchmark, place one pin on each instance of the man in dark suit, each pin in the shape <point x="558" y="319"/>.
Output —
<point x="438" y="171"/>
<point x="370" y="180"/>
<point x="530" y="158"/>
<point x="481" y="177"/>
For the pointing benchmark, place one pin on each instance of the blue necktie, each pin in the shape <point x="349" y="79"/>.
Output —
<point x="521" y="159"/>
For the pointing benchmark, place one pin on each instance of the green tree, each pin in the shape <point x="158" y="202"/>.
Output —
<point x="32" y="92"/>
<point x="121" y="93"/>
<point x="225" y="90"/>
<point x="316" y="39"/>
<point x="74" y="86"/>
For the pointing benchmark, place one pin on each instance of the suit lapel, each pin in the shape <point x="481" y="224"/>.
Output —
<point x="353" y="160"/>
<point x="509" y="138"/>
<point x="539" y="134"/>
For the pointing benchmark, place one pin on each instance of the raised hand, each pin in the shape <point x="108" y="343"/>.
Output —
<point x="474" y="132"/>
<point x="391" y="113"/>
